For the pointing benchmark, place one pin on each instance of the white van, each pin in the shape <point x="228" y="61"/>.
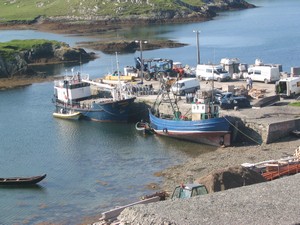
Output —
<point x="189" y="85"/>
<point x="266" y="73"/>
<point x="288" y="87"/>
<point x="212" y="72"/>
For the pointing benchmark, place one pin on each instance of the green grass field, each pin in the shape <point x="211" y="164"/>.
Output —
<point x="26" y="10"/>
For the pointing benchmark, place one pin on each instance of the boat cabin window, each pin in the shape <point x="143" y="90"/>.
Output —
<point x="185" y="193"/>
<point x="176" y="193"/>
<point x="180" y="192"/>
<point x="78" y="85"/>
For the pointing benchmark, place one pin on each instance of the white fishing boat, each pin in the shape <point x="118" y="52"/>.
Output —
<point x="75" y="94"/>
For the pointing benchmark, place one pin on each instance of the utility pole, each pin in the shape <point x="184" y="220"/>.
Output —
<point x="197" y="41"/>
<point x="141" y="57"/>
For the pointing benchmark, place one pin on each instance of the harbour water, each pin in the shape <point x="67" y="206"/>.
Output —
<point x="91" y="166"/>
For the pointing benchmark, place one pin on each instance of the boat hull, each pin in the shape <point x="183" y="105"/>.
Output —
<point x="21" y="181"/>
<point x="215" y="131"/>
<point x="110" y="111"/>
<point x="68" y="116"/>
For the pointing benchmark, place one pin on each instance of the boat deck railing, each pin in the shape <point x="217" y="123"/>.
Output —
<point x="72" y="79"/>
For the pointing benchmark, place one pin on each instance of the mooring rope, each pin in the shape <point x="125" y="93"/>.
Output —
<point x="242" y="132"/>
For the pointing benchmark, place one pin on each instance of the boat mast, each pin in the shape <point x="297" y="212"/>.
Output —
<point x="118" y="70"/>
<point x="119" y="80"/>
<point x="212" y="85"/>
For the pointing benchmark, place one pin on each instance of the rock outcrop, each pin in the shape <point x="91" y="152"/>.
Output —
<point x="125" y="46"/>
<point x="231" y="177"/>
<point x="13" y="65"/>
<point x="17" y="62"/>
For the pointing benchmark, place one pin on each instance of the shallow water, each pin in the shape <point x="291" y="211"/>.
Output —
<point x="90" y="166"/>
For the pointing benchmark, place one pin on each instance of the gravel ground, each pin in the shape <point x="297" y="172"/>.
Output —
<point x="272" y="202"/>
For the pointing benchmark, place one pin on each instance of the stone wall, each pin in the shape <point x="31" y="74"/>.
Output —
<point x="281" y="129"/>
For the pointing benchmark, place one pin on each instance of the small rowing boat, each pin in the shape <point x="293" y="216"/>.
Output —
<point x="143" y="126"/>
<point x="68" y="116"/>
<point x="21" y="180"/>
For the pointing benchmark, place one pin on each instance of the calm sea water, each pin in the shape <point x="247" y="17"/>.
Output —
<point x="91" y="166"/>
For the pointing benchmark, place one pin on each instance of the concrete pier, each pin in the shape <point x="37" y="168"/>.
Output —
<point x="260" y="125"/>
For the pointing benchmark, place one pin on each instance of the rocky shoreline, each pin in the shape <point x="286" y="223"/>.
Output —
<point x="87" y="22"/>
<point x="18" y="56"/>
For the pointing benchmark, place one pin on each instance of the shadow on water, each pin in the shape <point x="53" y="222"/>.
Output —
<point x="29" y="188"/>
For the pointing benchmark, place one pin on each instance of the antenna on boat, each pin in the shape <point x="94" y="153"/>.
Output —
<point x="112" y="65"/>
<point x="80" y="64"/>
<point x="118" y="70"/>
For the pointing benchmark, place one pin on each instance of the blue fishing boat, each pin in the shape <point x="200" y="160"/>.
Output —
<point x="204" y="126"/>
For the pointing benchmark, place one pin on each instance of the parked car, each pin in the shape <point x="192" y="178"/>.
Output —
<point x="264" y="73"/>
<point x="288" y="87"/>
<point x="212" y="72"/>
<point x="228" y="100"/>
<point x="240" y="102"/>
<point x="225" y="95"/>
<point x="188" y="85"/>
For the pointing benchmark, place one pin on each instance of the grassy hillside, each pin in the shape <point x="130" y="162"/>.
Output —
<point x="9" y="48"/>
<point x="30" y="9"/>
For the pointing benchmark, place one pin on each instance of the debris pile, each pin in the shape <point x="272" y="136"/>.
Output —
<point x="257" y="93"/>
